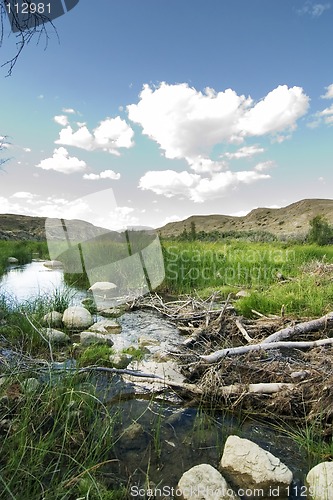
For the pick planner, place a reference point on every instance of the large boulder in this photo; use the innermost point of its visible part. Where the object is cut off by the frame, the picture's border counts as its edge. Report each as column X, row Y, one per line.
column 203, row 482
column 76, row 318
column 319, row 482
column 253, row 469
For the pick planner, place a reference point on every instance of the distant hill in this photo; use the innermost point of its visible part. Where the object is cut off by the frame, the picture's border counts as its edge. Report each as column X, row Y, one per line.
column 291, row 220
column 23, row 227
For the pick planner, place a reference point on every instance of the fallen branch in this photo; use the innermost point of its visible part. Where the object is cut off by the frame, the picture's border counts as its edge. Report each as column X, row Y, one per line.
column 300, row 328
column 217, row 355
column 241, row 328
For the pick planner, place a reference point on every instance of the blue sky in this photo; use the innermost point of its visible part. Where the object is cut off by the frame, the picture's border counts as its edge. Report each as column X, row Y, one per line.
column 180, row 107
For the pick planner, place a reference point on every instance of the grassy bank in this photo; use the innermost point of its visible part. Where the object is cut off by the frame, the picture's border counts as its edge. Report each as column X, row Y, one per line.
column 274, row 274
column 23, row 251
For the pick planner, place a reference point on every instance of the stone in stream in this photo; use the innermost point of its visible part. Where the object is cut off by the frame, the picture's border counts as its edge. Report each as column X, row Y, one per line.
column 53, row 318
column 77, row 317
column 120, row 360
column 53, row 264
column 88, row 338
column 204, row 482
column 319, row 482
column 12, row 260
column 106, row 326
column 56, row 336
column 251, row 468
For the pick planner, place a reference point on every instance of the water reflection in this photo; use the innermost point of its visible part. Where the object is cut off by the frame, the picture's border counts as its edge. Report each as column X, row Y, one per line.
column 31, row 280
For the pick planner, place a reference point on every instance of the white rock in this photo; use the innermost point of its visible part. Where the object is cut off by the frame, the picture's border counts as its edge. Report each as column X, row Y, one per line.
column 242, row 293
column 53, row 318
column 252, row 468
column 121, row 360
column 77, row 317
column 89, row 338
column 106, row 326
column 56, row 336
column 53, row 264
column 203, row 482
column 102, row 286
column 319, row 482
column 12, row 260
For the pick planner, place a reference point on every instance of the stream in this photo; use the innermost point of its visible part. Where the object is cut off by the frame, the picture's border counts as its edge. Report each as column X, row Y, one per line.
column 187, row 435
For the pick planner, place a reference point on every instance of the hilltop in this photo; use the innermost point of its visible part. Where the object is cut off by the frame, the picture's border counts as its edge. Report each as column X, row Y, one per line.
column 292, row 220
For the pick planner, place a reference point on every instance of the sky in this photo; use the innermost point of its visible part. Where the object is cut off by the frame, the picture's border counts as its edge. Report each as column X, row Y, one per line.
column 143, row 112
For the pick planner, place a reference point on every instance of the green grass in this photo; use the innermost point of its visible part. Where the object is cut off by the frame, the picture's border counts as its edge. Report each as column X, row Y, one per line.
column 55, row 441
column 24, row 251
column 205, row 267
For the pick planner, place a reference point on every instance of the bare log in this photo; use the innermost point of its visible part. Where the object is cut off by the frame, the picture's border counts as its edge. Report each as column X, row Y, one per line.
column 301, row 328
column 217, row 355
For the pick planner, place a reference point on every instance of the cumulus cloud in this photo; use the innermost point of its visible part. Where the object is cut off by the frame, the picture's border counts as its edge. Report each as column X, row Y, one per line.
column 111, row 135
column 106, row 174
column 187, row 123
column 62, row 162
column 68, row 110
column 24, row 195
column 193, row 186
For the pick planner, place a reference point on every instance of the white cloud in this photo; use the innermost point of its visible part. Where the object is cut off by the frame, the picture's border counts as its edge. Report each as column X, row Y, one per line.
column 265, row 165
column 193, row 186
column 329, row 92
column 245, row 152
column 106, row 174
column 314, row 9
column 187, row 123
column 62, row 162
column 68, row 110
column 24, row 195
column 111, row 135
column 61, row 120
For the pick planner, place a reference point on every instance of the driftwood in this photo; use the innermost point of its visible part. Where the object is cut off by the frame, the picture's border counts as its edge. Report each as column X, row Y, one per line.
column 301, row 328
column 217, row 355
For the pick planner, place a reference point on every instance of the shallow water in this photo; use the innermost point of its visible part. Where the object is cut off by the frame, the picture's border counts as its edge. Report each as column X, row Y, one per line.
column 174, row 437
column 26, row 282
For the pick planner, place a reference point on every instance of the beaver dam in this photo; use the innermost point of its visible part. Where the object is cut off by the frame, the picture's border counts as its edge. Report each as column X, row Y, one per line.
column 271, row 366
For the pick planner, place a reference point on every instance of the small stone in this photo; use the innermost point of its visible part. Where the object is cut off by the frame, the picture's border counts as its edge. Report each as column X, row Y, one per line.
column 30, row 385
column 204, row 482
column 12, row 260
column 146, row 341
column 120, row 360
column 106, row 326
column 88, row 338
column 111, row 312
column 320, row 482
column 242, row 293
column 53, row 318
column 57, row 336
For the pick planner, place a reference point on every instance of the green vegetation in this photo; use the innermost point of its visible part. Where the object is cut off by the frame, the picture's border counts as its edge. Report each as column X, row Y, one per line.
column 98, row 355
column 274, row 274
column 320, row 231
column 55, row 440
column 23, row 251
